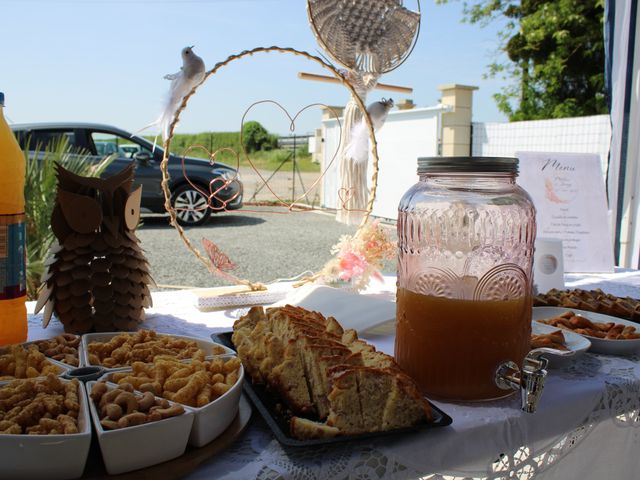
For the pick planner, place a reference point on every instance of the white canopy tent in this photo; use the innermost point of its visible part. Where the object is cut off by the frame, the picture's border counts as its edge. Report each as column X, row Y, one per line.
column 623, row 79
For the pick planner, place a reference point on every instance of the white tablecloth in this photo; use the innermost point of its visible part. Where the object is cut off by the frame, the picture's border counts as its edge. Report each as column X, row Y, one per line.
column 587, row 425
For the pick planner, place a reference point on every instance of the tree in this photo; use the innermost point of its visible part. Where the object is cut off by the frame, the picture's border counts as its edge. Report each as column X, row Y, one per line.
column 255, row 137
column 556, row 53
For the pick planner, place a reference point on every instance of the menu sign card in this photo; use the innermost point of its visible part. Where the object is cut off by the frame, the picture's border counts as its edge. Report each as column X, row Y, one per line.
column 568, row 192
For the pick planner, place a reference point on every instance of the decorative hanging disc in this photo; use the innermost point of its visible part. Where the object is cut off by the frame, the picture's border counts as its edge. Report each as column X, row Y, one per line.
column 364, row 35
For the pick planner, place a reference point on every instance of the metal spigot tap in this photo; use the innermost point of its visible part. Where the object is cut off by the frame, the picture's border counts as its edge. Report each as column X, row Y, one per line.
column 529, row 380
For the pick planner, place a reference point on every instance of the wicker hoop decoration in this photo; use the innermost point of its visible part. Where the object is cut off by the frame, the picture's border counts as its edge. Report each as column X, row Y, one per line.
column 212, row 72
column 364, row 35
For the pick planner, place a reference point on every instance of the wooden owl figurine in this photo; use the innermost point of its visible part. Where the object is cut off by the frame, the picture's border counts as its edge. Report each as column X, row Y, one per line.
column 97, row 277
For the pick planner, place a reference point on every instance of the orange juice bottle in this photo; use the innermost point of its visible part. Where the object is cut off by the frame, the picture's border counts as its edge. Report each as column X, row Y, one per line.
column 13, row 312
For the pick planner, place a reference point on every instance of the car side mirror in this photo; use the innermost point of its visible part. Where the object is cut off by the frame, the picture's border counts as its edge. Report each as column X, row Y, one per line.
column 142, row 157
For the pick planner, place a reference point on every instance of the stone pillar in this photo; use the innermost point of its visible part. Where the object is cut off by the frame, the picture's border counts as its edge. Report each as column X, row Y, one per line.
column 456, row 124
column 405, row 104
column 330, row 112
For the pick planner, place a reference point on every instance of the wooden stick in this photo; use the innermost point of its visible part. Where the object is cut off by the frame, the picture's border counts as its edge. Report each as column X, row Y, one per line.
column 326, row 78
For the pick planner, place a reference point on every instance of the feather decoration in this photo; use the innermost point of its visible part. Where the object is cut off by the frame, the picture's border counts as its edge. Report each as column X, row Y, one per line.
column 190, row 75
column 358, row 146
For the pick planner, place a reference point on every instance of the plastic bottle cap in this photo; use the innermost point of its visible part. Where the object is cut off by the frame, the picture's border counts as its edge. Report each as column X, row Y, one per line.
column 1, row 99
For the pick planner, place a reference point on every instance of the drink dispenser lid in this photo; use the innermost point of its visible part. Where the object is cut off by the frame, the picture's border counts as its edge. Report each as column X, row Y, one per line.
column 467, row 165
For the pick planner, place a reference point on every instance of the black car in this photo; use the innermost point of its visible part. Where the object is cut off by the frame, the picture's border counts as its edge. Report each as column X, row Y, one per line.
column 102, row 140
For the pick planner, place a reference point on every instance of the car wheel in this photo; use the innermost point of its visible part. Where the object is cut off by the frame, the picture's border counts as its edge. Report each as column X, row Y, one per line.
column 191, row 206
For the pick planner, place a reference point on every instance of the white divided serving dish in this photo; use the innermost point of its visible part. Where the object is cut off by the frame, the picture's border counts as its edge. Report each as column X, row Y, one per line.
column 574, row 342
column 598, row 345
column 48, row 456
column 212, row 419
column 204, row 344
column 140, row 446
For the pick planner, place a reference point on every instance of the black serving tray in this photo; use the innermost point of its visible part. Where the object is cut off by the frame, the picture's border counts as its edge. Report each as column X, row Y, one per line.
column 277, row 415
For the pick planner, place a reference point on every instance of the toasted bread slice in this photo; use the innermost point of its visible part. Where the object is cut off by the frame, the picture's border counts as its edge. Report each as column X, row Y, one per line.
column 307, row 429
column 323, row 372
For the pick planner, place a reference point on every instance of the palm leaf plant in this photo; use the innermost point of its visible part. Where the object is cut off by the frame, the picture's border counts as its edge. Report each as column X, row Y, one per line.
column 40, row 190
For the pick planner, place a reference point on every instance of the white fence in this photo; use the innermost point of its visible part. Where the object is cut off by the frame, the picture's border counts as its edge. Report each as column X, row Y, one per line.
column 406, row 135
column 571, row 135
column 566, row 135
column 410, row 134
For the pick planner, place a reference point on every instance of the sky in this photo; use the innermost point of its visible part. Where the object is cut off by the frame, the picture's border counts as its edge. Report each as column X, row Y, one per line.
column 104, row 61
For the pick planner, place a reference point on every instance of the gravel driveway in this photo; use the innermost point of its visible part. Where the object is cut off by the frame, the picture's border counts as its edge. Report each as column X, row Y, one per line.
column 284, row 183
column 265, row 246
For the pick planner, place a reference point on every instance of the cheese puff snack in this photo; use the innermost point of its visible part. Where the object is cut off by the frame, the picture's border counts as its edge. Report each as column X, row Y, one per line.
column 195, row 384
column 63, row 348
column 190, row 391
column 144, row 346
column 119, row 408
column 18, row 361
column 42, row 406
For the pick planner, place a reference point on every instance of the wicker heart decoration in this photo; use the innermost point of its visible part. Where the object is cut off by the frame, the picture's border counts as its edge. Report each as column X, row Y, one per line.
column 218, row 184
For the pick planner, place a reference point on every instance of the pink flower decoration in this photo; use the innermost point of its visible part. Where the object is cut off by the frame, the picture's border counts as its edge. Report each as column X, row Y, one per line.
column 351, row 265
column 360, row 257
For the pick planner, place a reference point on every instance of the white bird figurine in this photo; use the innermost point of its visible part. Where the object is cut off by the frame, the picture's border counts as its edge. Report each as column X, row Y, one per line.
column 190, row 75
column 358, row 146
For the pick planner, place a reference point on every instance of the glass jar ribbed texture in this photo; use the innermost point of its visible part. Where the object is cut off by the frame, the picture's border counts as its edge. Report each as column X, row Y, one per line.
column 465, row 249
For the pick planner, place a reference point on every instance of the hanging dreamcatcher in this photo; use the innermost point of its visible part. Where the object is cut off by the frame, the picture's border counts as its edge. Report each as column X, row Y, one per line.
column 368, row 38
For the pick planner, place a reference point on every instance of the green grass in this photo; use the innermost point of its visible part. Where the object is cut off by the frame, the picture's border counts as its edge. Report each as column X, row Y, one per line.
column 215, row 141
column 272, row 159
